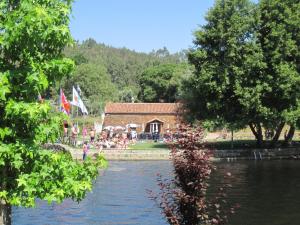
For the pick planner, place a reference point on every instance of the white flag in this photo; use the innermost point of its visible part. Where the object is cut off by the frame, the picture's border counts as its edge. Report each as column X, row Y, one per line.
column 78, row 102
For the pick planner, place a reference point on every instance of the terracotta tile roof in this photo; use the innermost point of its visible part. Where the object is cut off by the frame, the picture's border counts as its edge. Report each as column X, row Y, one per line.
column 151, row 108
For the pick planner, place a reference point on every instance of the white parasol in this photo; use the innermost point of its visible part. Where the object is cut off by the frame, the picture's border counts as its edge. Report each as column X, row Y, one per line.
column 132, row 125
column 108, row 128
column 119, row 128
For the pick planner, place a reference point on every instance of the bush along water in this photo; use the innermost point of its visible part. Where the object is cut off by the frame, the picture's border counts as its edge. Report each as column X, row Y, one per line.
column 184, row 200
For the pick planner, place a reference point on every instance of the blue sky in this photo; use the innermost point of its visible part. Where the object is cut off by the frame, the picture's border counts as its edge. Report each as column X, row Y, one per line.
column 140, row 25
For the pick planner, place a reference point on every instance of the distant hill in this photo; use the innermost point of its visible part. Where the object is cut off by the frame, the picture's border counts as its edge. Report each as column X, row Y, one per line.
column 106, row 73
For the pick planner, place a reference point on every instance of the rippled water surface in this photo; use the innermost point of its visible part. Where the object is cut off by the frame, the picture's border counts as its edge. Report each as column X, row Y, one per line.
column 119, row 197
column 268, row 192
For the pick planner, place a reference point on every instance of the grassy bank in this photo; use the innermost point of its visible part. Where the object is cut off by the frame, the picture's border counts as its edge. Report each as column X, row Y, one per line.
column 244, row 144
column 149, row 145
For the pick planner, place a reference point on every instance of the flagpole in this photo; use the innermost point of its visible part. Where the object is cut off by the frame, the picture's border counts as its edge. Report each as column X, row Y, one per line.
column 59, row 100
column 77, row 117
column 72, row 105
column 77, row 107
column 72, row 111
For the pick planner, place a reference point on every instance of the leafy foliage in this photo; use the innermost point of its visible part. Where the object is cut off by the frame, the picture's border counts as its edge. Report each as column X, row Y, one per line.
column 184, row 200
column 246, row 66
column 280, row 43
column 44, row 175
column 163, row 82
column 33, row 35
column 120, row 68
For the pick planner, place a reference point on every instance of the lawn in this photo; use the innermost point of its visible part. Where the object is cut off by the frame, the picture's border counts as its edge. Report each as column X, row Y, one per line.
column 243, row 139
column 147, row 145
column 243, row 144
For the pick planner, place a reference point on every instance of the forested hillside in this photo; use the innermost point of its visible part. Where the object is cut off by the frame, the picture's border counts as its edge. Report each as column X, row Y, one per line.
column 105, row 73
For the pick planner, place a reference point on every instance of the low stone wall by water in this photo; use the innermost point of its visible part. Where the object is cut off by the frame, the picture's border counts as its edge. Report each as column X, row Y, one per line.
column 164, row 154
column 127, row 154
column 258, row 154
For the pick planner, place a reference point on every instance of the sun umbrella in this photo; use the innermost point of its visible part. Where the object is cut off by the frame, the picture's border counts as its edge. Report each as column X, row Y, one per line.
column 108, row 128
column 132, row 125
column 119, row 128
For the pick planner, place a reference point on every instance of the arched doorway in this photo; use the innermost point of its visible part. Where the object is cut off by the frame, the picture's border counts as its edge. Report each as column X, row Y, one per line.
column 154, row 126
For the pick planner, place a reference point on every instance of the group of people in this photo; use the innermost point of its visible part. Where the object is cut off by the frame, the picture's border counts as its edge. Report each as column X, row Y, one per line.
column 112, row 140
column 71, row 133
column 106, row 139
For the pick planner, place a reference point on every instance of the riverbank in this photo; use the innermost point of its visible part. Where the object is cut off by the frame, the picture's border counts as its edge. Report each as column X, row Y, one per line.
column 258, row 154
column 125, row 155
column 164, row 154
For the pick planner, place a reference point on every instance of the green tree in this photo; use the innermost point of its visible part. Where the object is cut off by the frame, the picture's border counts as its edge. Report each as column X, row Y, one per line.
column 128, row 94
column 279, row 38
column 163, row 82
column 235, row 79
column 32, row 37
column 224, row 50
column 122, row 65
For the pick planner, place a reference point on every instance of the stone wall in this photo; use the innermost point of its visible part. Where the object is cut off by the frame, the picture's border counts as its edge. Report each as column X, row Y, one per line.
column 258, row 154
column 164, row 154
column 159, row 154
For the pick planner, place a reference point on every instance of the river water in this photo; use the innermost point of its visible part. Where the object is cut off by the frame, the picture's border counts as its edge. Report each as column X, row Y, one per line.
column 268, row 192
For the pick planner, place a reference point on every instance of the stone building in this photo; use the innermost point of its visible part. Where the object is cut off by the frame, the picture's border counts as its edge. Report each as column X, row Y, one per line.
column 147, row 117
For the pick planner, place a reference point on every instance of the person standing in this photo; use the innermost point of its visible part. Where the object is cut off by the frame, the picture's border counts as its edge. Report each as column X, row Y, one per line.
column 65, row 135
column 92, row 135
column 74, row 134
column 85, row 150
column 84, row 133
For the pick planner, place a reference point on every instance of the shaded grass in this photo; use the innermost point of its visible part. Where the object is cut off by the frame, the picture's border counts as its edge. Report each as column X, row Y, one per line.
column 226, row 144
column 149, row 145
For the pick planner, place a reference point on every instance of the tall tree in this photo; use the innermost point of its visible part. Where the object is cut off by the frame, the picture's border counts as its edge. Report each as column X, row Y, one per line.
column 279, row 37
column 33, row 34
column 234, row 80
column 225, row 54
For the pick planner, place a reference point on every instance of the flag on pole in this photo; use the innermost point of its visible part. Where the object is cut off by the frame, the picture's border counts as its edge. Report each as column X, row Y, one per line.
column 78, row 102
column 64, row 103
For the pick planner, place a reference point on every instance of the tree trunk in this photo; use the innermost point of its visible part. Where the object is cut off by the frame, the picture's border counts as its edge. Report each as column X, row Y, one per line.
column 251, row 125
column 277, row 134
column 5, row 209
column 289, row 137
column 260, row 135
column 257, row 133
column 5, row 213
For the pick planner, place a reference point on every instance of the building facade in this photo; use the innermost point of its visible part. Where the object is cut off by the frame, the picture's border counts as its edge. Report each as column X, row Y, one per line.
column 146, row 117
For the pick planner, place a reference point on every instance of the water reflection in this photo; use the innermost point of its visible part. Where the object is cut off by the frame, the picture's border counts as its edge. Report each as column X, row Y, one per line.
column 266, row 190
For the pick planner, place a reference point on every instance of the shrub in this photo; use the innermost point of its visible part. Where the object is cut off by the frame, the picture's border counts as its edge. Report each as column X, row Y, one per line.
column 184, row 200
